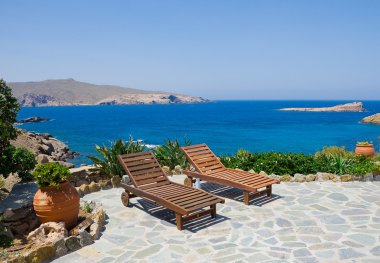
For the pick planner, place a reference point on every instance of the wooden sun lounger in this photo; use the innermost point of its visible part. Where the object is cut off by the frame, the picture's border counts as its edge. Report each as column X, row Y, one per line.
column 209, row 168
column 149, row 181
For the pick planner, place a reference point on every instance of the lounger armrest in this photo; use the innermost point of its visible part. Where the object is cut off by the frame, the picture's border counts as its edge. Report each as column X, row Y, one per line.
column 192, row 174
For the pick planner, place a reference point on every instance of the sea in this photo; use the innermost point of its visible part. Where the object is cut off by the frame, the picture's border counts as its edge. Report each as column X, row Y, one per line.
column 225, row 126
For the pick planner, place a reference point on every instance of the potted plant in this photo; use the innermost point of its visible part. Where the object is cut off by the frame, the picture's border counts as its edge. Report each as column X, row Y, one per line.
column 365, row 148
column 56, row 200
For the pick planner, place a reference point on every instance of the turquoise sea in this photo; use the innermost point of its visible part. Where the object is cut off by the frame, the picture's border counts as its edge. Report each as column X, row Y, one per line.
column 225, row 126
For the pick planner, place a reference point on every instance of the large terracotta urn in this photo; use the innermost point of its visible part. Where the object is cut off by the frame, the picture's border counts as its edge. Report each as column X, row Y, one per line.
column 365, row 149
column 57, row 203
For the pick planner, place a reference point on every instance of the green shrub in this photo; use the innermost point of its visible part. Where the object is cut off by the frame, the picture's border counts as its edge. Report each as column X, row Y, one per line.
column 50, row 174
column 271, row 162
column 108, row 162
column 17, row 160
column 169, row 154
column 334, row 151
column 362, row 165
column 5, row 241
column 24, row 161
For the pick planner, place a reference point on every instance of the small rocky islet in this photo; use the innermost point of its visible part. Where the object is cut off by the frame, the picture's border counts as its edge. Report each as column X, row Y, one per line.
column 372, row 119
column 348, row 107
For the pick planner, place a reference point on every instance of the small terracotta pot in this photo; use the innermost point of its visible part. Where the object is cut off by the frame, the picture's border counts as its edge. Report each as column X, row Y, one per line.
column 366, row 150
column 57, row 203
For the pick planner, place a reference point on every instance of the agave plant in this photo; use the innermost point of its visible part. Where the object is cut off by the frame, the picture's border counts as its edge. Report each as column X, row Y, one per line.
column 169, row 154
column 340, row 165
column 108, row 162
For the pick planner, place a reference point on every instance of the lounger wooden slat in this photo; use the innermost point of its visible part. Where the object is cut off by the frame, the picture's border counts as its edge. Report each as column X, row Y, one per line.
column 209, row 168
column 143, row 172
column 149, row 181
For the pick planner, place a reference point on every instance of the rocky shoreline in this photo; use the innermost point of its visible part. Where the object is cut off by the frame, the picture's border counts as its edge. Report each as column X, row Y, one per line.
column 348, row 107
column 45, row 147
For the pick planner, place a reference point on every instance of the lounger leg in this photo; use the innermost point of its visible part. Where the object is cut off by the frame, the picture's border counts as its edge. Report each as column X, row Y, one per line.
column 188, row 181
column 246, row 197
column 125, row 198
column 213, row 211
column 269, row 191
column 178, row 219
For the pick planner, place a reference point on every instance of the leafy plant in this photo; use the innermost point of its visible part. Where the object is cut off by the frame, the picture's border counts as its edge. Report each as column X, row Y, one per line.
column 334, row 151
column 362, row 165
column 108, row 162
column 8, row 111
column 340, row 165
column 50, row 174
column 363, row 144
column 87, row 207
column 169, row 154
column 17, row 160
column 24, row 161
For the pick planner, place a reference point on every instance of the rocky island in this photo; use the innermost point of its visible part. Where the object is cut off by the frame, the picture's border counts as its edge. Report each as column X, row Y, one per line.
column 373, row 119
column 69, row 92
column 32, row 119
column 348, row 107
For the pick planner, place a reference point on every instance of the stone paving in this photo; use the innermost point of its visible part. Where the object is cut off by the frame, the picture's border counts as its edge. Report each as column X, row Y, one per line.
column 307, row 222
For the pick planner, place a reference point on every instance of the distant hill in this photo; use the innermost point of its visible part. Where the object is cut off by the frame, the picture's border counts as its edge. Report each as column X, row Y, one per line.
column 71, row 92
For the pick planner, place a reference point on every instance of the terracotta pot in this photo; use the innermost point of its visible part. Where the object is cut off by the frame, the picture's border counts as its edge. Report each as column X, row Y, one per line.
column 57, row 203
column 366, row 150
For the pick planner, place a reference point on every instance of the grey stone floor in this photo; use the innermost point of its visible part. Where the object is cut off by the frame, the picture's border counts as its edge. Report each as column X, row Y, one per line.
column 307, row 222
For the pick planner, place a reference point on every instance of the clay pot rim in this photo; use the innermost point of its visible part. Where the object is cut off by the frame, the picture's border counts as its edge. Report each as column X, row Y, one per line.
column 367, row 145
column 53, row 187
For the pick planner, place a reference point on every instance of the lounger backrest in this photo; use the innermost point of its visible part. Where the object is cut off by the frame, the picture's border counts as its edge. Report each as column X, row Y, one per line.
column 143, row 170
column 203, row 159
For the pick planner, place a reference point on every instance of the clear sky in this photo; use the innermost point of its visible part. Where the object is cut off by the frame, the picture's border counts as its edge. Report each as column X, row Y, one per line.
column 321, row 49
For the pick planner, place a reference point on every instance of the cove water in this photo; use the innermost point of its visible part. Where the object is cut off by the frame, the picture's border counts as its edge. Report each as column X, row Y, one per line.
column 225, row 126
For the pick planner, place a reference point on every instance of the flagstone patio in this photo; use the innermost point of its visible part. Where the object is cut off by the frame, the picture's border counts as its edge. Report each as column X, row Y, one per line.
column 307, row 222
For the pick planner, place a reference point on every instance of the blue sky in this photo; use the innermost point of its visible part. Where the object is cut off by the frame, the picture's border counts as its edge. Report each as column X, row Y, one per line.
column 216, row 49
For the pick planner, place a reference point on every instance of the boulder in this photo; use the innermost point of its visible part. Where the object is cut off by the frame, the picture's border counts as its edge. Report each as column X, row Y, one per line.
column 60, row 248
column 12, row 215
column 321, row 177
column 252, row 171
column 310, row 177
column 177, row 169
column 80, row 182
column 105, row 184
column 41, row 254
column 48, row 233
column 68, row 165
column 72, row 243
column 125, row 179
column 263, row 173
column 85, row 189
column 336, row 179
column 116, row 180
column 166, row 170
column 79, row 191
column 94, row 187
column 286, row 178
column 274, row 176
column 42, row 158
column 346, row 178
column 85, row 238
column 299, row 178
